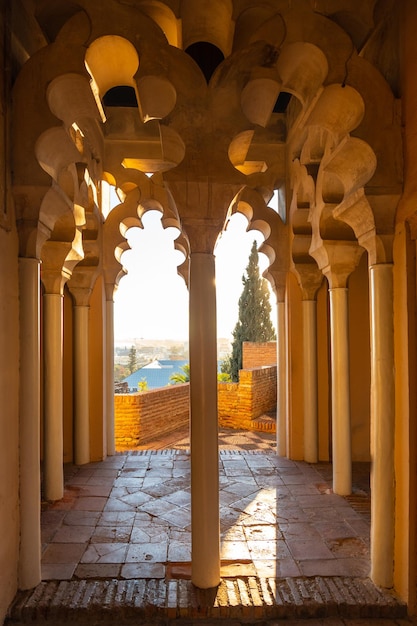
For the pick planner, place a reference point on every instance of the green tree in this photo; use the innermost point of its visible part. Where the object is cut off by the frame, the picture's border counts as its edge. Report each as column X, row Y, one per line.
column 143, row 385
column 254, row 322
column 181, row 378
column 133, row 360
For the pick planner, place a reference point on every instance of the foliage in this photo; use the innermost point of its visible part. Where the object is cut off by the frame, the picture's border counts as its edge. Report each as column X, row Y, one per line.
column 224, row 377
column 143, row 385
column 181, row 378
column 254, row 322
column 133, row 360
column 120, row 372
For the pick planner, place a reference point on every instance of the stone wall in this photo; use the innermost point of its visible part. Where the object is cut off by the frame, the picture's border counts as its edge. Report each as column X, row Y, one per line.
column 140, row 417
column 259, row 354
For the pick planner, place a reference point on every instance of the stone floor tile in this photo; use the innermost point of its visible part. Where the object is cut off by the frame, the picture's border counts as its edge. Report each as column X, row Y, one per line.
column 147, row 552
column 270, row 568
column 306, row 549
column 268, row 549
column 262, row 532
column 73, row 534
column 299, row 529
column 90, row 504
column 118, row 504
column 179, row 551
column 143, row 570
column 156, row 507
column 109, row 534
column 234, row 550
column 178, row 516
column 63, row 553
column 182, row 498
column 105, row 553
column 96, row 490
column 52, row 518
column 58, row 571
column 153, row 533
column 322, row 567
column 111, row 518
column 81, row 518
column 97, row 570
column 334, row 530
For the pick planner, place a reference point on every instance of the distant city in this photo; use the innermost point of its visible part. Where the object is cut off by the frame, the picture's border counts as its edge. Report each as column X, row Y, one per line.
column 148, row 350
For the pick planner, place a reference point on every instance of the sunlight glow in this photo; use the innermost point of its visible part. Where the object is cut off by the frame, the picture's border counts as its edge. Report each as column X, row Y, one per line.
column 152, row 300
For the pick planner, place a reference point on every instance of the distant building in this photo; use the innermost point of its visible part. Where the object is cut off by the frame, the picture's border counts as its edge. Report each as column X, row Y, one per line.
column 156, row 374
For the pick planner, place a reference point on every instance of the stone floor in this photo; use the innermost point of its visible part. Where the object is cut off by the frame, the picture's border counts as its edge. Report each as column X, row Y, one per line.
column 289, row 546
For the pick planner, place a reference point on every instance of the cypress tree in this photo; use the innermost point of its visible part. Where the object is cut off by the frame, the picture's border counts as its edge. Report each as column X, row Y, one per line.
column 254, row 321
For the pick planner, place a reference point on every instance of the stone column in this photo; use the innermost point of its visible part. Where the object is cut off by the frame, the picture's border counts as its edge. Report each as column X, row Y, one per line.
column 205, row 517
column 81, row 386
column 29, row 425
column 282, row 381
column 53, row 413
column 311, row 436
column 341, row 439
column 110, row 377
column 382, row 424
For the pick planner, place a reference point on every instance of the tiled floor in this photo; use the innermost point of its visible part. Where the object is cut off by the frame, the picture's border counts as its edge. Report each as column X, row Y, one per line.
column 129, row 517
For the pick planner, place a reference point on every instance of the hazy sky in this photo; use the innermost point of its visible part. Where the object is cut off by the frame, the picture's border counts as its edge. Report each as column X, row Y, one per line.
column 152, row 300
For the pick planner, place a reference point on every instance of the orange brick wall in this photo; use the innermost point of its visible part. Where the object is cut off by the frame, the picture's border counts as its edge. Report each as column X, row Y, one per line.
column 259, row 354
column 140, row 417
column 254, row 394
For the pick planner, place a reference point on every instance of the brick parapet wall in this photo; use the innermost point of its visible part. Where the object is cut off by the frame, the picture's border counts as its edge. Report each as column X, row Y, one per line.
column 258, row 354
column 140, row 417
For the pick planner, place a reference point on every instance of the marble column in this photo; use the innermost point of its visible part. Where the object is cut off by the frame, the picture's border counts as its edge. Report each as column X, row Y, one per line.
column 29, row 425
column 53, row 474
column 311, row 438
column 341, row 436
column 382, row 424
column 205, row 517
column 110, row 377
column 282, row 381
column 81, row 386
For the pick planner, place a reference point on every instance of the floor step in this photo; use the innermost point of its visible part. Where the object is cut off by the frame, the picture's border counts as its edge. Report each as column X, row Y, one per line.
column 160, row 601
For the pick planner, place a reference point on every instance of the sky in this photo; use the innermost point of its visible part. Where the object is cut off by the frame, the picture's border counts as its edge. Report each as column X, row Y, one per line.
column 151, row 301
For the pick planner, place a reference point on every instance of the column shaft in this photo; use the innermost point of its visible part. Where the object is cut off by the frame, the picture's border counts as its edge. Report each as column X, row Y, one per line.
column 311, row 436
column 282, row 382
column 53, row 412
column 110, row 377
column 81, row 386
column 29, row 425
column 382, row 424
column 205, row 517
column 341, row 437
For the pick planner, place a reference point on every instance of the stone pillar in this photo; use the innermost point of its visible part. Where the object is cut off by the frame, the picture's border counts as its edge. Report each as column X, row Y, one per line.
column 339, row 337
column 110, row 377
column 311, row 435
column 205, row 517
column 282, row 382
column 382, row 424
column 29, row 426
column 81, row 386
column 53, row 428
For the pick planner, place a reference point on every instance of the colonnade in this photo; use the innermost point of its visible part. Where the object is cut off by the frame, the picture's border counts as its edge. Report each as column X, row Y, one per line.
column 203, row 402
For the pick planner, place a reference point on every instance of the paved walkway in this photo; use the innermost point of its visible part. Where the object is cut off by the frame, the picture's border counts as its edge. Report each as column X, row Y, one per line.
column 289, row 546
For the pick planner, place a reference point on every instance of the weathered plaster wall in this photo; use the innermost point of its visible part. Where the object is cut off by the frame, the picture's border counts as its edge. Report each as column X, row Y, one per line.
column 97, row 373
column 359, row 363
column 9, row 418
column 295, row 395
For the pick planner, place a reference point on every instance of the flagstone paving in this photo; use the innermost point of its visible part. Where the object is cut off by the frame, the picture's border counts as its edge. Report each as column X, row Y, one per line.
column 130, row 517
column 117, row 547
